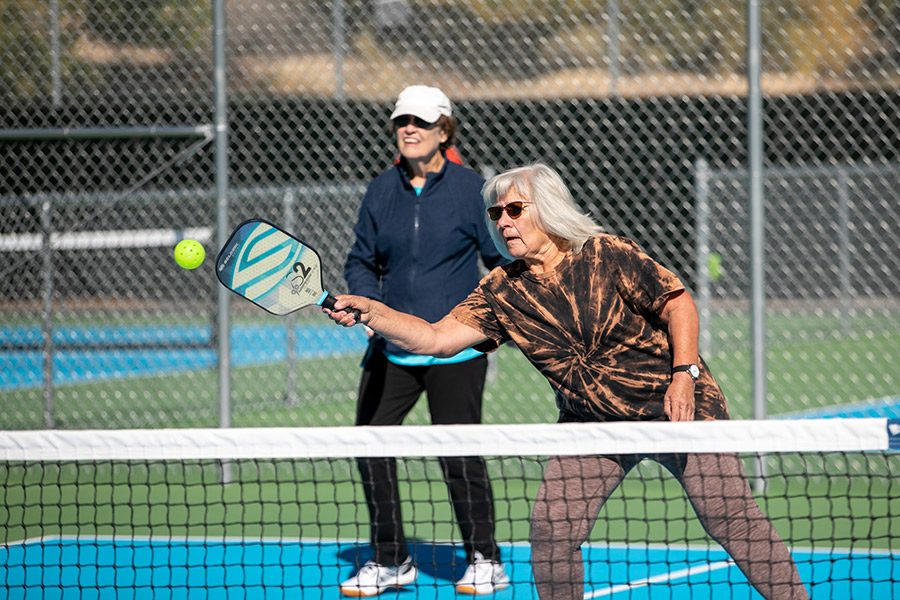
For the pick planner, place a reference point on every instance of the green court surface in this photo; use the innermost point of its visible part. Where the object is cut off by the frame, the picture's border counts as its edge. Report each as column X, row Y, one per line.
column 804, row 373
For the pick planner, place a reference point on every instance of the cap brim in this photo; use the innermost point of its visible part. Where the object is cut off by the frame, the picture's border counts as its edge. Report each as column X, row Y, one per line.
column 428, row 113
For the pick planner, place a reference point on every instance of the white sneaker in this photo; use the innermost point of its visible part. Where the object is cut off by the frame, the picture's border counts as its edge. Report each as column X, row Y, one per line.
column 483, row 577
column 373, row 579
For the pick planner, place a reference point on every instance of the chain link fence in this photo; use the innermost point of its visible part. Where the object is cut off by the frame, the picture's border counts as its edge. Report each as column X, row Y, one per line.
column 107, row 112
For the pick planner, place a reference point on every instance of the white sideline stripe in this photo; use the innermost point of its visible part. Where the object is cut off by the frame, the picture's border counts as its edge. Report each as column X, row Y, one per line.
column 816, row 435
column 91, row 240
column 664, row 577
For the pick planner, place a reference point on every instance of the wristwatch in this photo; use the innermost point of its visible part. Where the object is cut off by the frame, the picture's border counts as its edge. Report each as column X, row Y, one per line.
column 692, row 370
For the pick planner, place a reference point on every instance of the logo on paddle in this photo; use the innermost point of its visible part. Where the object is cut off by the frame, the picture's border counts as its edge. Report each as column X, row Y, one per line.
column 300, row 272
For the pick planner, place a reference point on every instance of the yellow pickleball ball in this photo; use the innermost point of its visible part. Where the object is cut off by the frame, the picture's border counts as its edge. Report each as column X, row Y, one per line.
column 714, row 264
column 189, row 254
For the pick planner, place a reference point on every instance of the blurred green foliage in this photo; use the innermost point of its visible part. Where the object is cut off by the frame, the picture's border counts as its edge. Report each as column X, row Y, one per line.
column 179, row 24
column 35, row 39
column 25, row 48
column 819, row 38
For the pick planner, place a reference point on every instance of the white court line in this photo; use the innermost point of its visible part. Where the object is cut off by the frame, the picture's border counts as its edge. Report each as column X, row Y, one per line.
column 682, row 574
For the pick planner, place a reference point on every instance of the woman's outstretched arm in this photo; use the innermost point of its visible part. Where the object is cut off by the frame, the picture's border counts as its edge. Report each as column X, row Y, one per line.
column 445, row 338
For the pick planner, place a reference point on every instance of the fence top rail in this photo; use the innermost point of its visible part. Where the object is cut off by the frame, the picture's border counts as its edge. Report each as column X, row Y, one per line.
column 299, row 190
column 99, row 133
column 702, row 166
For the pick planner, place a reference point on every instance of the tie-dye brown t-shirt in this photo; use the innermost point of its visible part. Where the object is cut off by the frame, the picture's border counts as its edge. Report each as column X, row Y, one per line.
column 592, row 328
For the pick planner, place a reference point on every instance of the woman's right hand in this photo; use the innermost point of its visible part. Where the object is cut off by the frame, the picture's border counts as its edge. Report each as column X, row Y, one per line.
column 349, row 310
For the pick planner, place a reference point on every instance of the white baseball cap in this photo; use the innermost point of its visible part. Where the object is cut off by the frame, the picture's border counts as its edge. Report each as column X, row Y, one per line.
column 421, row 101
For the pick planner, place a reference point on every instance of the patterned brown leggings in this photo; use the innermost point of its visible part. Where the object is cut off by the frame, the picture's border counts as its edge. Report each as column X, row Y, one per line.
column 574, row 488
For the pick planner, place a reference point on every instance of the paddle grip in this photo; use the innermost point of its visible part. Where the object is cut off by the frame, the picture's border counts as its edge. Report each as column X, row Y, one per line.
column 329, row 301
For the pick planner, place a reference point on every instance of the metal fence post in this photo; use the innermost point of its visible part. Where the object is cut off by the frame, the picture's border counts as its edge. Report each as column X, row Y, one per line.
column 47, row 317
column 614, row 53
column 291, row 392
column 757, row 221
column 845, row 287
column 221, row 179
column 701, row 191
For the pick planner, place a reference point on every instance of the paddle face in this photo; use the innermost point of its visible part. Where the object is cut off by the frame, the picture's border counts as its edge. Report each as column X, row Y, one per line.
column 270, row 268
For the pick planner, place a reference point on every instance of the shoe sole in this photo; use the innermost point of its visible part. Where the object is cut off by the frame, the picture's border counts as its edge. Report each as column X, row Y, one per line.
column 361, row 594
column 357, row 593
column 468, row 589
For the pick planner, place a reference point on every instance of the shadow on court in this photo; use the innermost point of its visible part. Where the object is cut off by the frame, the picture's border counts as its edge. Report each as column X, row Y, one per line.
column 445, row 563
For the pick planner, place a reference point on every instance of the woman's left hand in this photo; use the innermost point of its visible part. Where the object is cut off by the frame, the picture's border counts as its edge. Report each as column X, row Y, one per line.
column 679, row 399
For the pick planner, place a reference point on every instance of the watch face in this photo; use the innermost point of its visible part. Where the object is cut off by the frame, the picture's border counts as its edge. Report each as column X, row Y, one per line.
column 694, row 370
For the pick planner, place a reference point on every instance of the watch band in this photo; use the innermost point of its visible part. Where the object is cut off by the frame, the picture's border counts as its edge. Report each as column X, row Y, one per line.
column 692, row 370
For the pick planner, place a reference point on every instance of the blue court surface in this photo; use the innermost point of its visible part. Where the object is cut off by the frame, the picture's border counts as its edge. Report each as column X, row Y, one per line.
column 888, row 408
column 125, row 568
column 250, row 345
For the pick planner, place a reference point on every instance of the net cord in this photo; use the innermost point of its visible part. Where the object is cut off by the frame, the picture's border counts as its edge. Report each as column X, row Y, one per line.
column 757, row 436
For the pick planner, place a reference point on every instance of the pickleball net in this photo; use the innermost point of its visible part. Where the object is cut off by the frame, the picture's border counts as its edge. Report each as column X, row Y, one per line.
column 197, row 513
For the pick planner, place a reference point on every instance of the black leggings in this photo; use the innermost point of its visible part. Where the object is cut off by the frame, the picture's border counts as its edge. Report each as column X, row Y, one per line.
column 574, row 489
column 454, row 391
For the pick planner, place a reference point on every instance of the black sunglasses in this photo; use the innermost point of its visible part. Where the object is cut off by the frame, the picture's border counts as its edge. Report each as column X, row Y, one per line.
column 513, row 209
column 404, row 120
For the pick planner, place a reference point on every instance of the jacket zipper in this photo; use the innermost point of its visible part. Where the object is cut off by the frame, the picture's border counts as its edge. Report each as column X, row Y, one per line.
column 415, row 245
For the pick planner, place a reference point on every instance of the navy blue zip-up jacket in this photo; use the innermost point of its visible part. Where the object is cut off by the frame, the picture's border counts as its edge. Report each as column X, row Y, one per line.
column 419, row 254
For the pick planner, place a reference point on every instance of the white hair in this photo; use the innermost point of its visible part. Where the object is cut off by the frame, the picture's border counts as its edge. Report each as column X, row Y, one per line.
column 552, row 208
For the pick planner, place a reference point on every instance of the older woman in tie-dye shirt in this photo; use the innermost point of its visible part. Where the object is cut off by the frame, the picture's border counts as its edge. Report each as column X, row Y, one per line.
column 615, row 334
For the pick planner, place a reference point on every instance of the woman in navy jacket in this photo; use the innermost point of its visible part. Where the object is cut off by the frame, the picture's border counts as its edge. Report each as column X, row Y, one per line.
column 420, row 232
